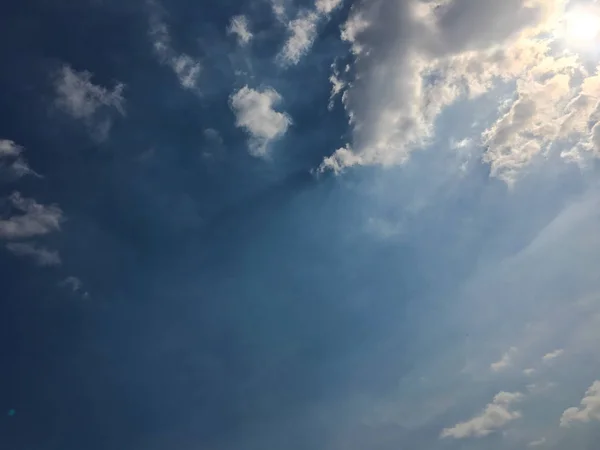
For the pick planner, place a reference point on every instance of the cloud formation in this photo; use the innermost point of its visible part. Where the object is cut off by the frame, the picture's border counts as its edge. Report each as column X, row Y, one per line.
column 80, row 98
column 12, row 163
column 495, row 416
column 35, row 220
column 589, row 409
column 40, row 255
column 302, row 31
column 254, row 112
column 552, row 355
column 413, row 60
column 504, row 362
column 239, row 27
column 186, row 68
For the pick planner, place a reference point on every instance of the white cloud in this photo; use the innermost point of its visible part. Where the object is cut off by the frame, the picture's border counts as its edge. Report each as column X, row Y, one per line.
column 529, row 372
column 36, row 219
column 537, row 443
column 495, row 416
column 589, row 409
column 79, row 97
column 413, row 59
column 40, row 255
column 186, row 68
column 327, row 6
column 552, row 355
column 302, row 31
column 12, row 164
column 254, row 111
column 239, row 27
column 505, row 362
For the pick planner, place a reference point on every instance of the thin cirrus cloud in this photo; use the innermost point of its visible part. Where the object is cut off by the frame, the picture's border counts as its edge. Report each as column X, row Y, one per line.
column 472, row 48
column 186, row 68
column 91, row 103
column 12, row 163
column 40, row 255
column 34, row 219
column 255, row 112
column 494, row 417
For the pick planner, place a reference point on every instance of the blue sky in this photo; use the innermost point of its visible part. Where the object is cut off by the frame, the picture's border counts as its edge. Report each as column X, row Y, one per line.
column 320, row 224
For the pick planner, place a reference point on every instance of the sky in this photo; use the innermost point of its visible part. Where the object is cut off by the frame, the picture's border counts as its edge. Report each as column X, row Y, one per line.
column 299, row 224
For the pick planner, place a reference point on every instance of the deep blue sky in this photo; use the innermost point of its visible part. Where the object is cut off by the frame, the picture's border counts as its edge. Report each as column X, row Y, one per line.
column 193, row 259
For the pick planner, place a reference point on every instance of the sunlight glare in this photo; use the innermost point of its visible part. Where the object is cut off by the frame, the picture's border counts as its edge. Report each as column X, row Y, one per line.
column 582, row 27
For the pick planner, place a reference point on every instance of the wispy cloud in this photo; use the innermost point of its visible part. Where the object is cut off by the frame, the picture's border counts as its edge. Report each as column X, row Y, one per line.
column 254, row 111
column 505, row 362
column 589, row 409
column 35, row 220
column 495, row 416
column 552, row 355
column 80, row 98
column 12, row 163
column 240, row 28
column 302, row 31
column 40, row 255
column 186, row 68
column 537, row 442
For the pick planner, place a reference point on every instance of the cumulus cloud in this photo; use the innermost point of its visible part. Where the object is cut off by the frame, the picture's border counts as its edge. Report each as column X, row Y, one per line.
column 80, row 98
column 414, row 59
column 186, row 68
column 40, row 255
column 589, row 409
column 254, row 112
column 239, row 27
column 552, row 355
column 302, row 31
column 496, row 415
column 12, row 163
column 35, row 220
column 505, row 362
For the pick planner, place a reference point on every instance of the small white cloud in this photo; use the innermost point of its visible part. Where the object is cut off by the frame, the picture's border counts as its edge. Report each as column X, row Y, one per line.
column 40, row 255
column 186, row 68
column 589, row 409
column 239, row 27
column 529, row 372
column 12, row 164
column 537, row 443
column 302, row 33
column 36, row 219
column 80, row 98
column 552, row 355
column 254, row 111
column 505, row 362
column 327, row 6
column 72, row 283
column 495, row 416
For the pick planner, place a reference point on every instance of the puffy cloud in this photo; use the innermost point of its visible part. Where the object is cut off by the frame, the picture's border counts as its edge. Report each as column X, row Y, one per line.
column 36, row 219
column 495, row 416
column 254, row 111
column 413, row 59
column 589, row 409
column 79, row 97
column 73, row 283
column 505, row 362
column 552, row 355
column 40, row 255
column 239, row 27
column 302, row 31
column 12, row 164
column 186, row 68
